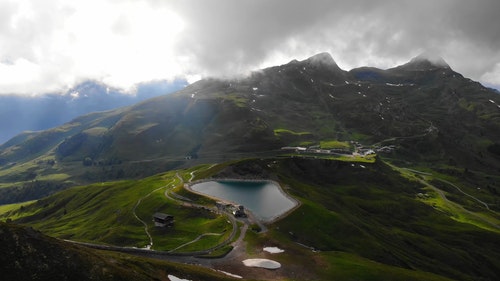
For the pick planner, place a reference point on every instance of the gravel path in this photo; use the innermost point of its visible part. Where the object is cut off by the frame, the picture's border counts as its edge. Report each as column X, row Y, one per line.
column 143, row 222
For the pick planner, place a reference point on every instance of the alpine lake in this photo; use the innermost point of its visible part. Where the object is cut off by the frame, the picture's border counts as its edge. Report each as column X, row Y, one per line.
column 264, row 199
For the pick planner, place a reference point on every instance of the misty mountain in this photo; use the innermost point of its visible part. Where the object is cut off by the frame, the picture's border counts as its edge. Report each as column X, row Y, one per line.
column 422, row 112
column 21, row 113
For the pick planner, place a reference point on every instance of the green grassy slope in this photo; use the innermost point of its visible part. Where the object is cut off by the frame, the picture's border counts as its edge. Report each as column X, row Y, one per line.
column 29, row 255
column 104, row 213
column 366, row 220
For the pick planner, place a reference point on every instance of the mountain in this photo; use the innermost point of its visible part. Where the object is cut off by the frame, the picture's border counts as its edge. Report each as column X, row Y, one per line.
column 396, row 172
column 51, row 110
column 419, row 114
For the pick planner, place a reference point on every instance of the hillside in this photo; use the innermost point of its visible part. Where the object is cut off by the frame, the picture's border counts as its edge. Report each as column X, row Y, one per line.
column 420, row 113
column 19, row 113
column 356, row 221
column 28, row 254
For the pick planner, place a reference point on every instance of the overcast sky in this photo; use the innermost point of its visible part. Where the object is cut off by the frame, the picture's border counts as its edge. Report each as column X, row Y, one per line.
column 51, row 45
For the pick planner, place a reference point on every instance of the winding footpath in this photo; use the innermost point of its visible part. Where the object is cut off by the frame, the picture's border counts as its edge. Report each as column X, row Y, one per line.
column 449, row 183
column 143, row 222
column 442, row 194
column 231, row 259
column 187, row 203
column 466, row 194
column 172, row 255
column 196, row 240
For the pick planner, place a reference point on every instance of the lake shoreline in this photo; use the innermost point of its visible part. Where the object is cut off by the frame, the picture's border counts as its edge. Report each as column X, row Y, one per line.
column 296, row 203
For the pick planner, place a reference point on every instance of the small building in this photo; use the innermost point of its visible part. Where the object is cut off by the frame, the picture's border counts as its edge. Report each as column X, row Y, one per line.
column 163, row 220
column 223, row 206
column 239, row 212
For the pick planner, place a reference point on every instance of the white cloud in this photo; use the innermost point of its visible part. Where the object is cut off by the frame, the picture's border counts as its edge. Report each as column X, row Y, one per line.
column 119, row 43
column 492, row 77
column 14, row 75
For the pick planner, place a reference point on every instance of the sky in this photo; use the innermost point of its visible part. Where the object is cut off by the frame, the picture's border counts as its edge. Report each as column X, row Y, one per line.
column 52, row 45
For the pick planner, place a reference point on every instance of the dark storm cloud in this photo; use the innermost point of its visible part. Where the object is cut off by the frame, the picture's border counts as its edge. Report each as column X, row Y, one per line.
column 226, row 36
column 51, row 45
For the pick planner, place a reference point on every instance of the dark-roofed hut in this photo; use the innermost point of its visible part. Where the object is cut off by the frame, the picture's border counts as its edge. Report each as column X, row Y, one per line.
column 163, row 220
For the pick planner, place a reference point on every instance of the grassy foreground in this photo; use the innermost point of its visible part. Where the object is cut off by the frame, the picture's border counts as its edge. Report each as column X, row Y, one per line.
column 104, row 213
column 357, row 221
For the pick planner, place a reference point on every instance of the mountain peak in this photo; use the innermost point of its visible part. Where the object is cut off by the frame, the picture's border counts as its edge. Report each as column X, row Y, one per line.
column 322, row 59
column 426, row 61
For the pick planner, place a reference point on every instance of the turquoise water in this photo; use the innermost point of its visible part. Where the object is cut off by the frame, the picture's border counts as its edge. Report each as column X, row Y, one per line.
column 264, row 199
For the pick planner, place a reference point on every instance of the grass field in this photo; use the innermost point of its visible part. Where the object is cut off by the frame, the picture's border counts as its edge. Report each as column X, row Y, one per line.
column 332, row 144
column 281, row 131
column 357, row 221
column 103, row 213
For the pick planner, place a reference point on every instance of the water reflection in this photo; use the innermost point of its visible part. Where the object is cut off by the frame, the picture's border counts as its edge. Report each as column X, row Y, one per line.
column 264, row 198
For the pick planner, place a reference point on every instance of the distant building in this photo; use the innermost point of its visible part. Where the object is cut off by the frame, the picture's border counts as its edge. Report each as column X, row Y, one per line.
column 239, row 212
column 297, row 149
column 163, row 220
column 369, row 152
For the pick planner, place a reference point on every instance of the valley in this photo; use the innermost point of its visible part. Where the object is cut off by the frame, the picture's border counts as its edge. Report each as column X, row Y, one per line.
column 394, row 174
column 199, row 231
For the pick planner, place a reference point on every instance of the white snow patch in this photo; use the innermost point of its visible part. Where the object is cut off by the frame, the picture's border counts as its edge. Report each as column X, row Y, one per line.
column 255, row 88
column 262, row 263
column 362, row 166
column 273, row 250
column 192, row 96
column 312, row 81
column 331, row 96
column 230, row 274
column 174, row 278
column 394, row 85
column 492, row 101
